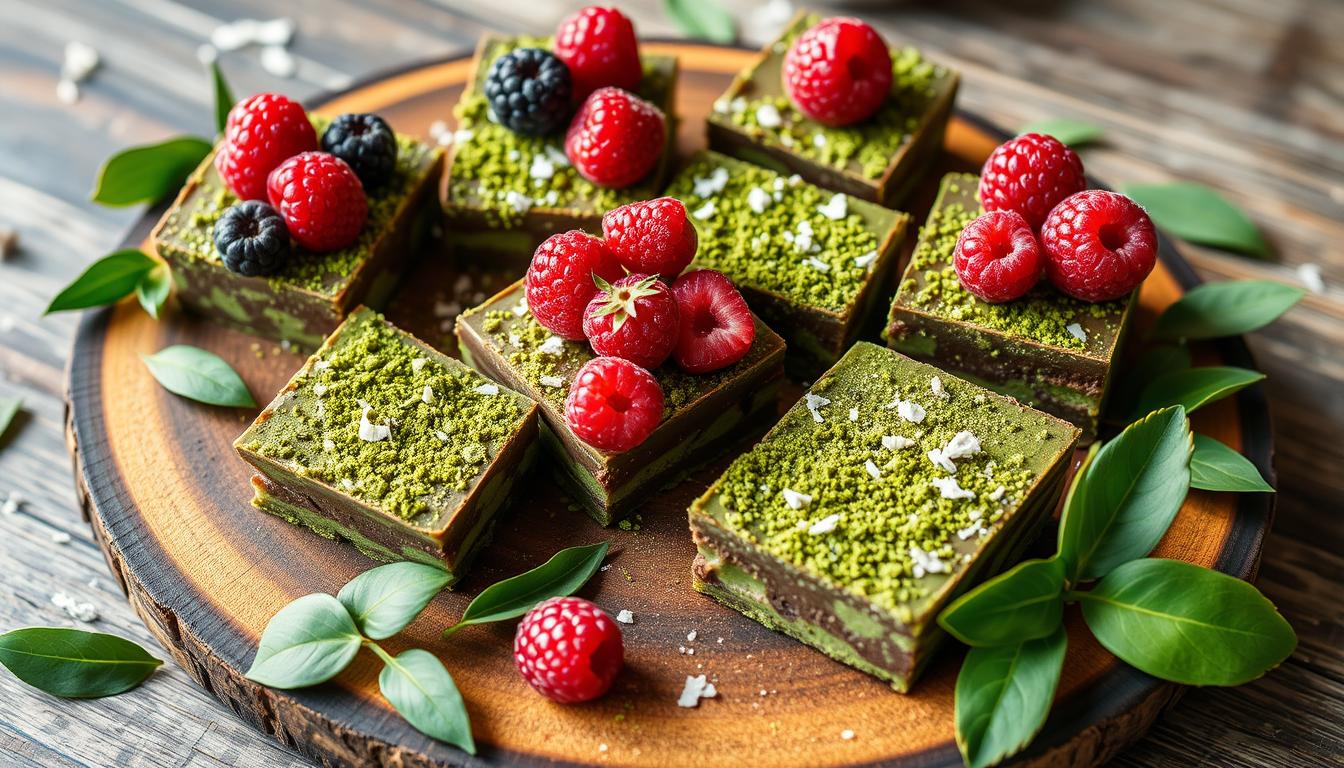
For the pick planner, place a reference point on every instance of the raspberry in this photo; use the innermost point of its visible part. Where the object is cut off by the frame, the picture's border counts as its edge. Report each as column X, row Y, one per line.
column 321, row 199
column 261, row 133
column 717, row 328
column 613, row 404
column 599, row 46
column 251, row 239
column 838, row 72
column 568, row 649
column 366, row 143
column 529, row 91
column 634, row 318
column 997, row 257
column 1098, row 245
column 653, row 236
column 1030, row 174
column 615, row 138
column 559, row 280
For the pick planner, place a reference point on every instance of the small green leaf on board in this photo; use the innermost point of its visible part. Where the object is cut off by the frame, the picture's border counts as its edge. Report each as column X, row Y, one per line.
column 9, row 409
column 1215, row 467
column 75, row 664
column 1074, row 133
column 153, row 289
column 1194, row 388
column 1199, row 214
column 702, row 20
column 107, row 280
column 224, row 99
column 148, row 174
column 199, row 375
column 1023, row 603
column 385, row 599
column 1214, row 310
column 418, row 685
column 1003, row 695
column 562, row 575
column 307, row 642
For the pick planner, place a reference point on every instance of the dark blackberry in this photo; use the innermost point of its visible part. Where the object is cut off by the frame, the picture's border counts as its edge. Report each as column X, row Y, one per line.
column 252, row 239
column 529, row 91
column 366, row 144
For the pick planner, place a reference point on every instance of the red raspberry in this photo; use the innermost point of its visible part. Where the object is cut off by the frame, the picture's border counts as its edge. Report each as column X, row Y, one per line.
column 261, row 133
column 653, row 236
column 568, row 649
column 717, row 328
column 634, row 318
column 615, row 138
column 321, row 199
column 559, row 280
column 838, row 72
column 599, row 46
column 1030, row 174
column 613, row 404
column 1098, row 245
column 997, row 257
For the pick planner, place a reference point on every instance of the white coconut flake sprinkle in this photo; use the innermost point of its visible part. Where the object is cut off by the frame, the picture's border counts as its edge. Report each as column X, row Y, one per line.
column 910, row 411
column 553, row 346
column 824, row 525
column 370, row 432
column 542, row 168
column 758, row 200
column 552, row 381
column 836, row 209
column 767, row 115
column 625, row 616
column 997, row 493
column 1076, row 331
column 704, row 211
column 940, row 460
column 814, row 404
column 517, row 201
column 896, row 442
column 864, row 260
column 949, row 489
column 419, row 363
column 487, row 389
column 796, row 500
column 936, row 385
column 962, row 445
column 713, row 184
column 427, row 395
column 85, row 612
column 872, row 469
column 817, row 264
column 696, row 688
column 853, row 414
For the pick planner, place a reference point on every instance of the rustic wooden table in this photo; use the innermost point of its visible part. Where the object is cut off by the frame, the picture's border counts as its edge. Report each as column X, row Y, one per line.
column 1242, row 95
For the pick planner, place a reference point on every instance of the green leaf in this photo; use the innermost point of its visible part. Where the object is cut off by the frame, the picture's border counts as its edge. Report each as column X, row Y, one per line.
column 149, row 173
column 385, row 599
column 1072, row 132
column 198, row 375
column 75, row 664
column 1200, row 215
column 1126, row 498
column 420, row 688
column 1194, row 387
column 1213, row 310
column 563, row 574
column 9, row 408
column 308, row 642
column 1003, row 696
column 153, row 288
column 702, row 20
column 1215, row 467
column 109, row 279
column 1155, row 361
column 1025, row 603
column 1187, row 624
column 224, row 99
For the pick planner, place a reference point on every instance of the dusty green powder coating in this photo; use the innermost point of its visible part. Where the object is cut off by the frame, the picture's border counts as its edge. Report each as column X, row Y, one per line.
column 323, row 273
column 869, row 551
column 436, row 450
column 1043, row 315
column 866, row 147
column 773, row 250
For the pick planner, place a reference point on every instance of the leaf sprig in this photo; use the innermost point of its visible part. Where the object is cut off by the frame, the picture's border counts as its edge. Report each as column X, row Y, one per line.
column 73, row 663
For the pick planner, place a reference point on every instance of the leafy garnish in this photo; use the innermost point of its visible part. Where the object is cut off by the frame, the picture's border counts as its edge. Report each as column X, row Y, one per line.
column 385, row 599
column 417, row 684
column 149, row 173
column 224, row 99
column 110, row 279
column 199, row 375
column 1025, row 603
column 153, row 288
column 1195, row 387
column 1200, row 215
column 562, row 575
column 702, row 20
column 1071, row 132
column 1003, row 696
column 308, row 642
column 1215, row 467
column 73, row 663
column 1158, row 359
column 9, row 408
column 1232, row 308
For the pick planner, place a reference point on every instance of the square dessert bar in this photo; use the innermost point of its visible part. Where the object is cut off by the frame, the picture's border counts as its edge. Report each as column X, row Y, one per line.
column 314, row 291
column 384, row 442
column 1046, row 349
column 506, row 192
column 810, row 262
column 702, row 415
column 888, row 490
column 879, row 159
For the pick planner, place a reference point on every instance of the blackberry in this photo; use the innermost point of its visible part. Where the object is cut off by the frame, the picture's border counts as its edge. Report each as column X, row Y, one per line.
column 529, row 91
column 252, row 239
column 366, row 144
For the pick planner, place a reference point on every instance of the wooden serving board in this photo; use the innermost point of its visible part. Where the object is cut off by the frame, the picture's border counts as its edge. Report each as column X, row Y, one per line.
column 168, row 502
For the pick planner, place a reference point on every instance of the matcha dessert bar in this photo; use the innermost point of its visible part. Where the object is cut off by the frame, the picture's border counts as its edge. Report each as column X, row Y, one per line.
column 312, row 293
column 1046, row 349
column 507, row 192
column 703, row 414
column 810, row 262
column 889, row 489
column 878, row 159
column 384, row 442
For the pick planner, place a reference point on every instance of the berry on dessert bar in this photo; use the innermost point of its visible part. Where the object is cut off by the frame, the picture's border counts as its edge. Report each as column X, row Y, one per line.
column 838, row 72
column 560, row 280
column 260, row 134
column 1030, row 174
column 252, row 239
column 613, row 404
column 568, row 650
column 615, row 138
column 366, row 143
column 634, row 318
column 716, row 327
column 997, row 257
column 529, row 90
column 321, row 200
column 653, row 236
column 1099, row 245
column 599, row 46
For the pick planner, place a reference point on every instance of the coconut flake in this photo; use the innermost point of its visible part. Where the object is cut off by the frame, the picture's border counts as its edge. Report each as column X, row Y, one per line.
column 819, row 140
column 796, row 500
column 625, row 616
column 704, row 211
column 758, row 200
column 836, row 209
column 814, row 404
column 864, row 260
column 517, row 201
column 427, row 395
column 85, row 612
column 419, row 363
column 1310, row 275
column 928, row 562
column 553, row 346
column 319, row 389
column 936, row 385
column 328, row 444
column 940, row 460
column 542, row 168
column 370, row 432
column 996, row 494
column 896, row 442
column 552, row 381
column 824, row 525
column 949, row 489
column 961, row 445
column 696, row 688
column 817, row 264
column 872, row 469
column 767, row 115
column 1076, row 331
column 713, row 184
column 909, row 411
column 853, row 414
column 487, row 389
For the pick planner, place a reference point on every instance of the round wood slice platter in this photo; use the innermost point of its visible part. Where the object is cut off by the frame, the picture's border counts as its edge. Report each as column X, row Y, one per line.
column 169, row 502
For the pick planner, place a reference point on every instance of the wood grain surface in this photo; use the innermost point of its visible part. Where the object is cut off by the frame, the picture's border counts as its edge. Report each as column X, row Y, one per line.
column 1245, row 96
